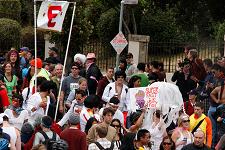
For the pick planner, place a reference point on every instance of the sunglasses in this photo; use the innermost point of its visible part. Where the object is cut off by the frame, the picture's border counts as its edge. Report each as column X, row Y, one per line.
column 165, row 143
column 118, row 126
column 186, row 121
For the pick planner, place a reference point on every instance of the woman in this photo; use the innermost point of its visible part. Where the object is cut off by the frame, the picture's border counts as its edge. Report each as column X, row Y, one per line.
column 91, row 121
column 157, row 130
column 136, row 119
column 167, row 144
column 181, row 135
column 10, row 80
column 119, row 136
column 82, row 86
column 117, row 89
column 134, row 82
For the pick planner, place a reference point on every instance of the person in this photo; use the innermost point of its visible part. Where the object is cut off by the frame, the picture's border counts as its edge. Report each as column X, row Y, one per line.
column 93, row 73
column 119, row 136
column 102, row 142
column 17, row 115
column 114, row 104
column 196, row 66
column 142, row 140
column 221, row 143
column 91, row 121
column 75, row 138
column 81, row 59
column 181, row 135
column 136, row 120
column 53, row 55
column 107, row 119
column 45, row 134
column 70, row 83
column 155, row 75
column 11, row 131
column 199, row 138
column 118, row 89
column 167, row 144
column 189, row 105
column 220, row 118
column 76, row 106
column 4, row 103
column 10, row 80
column 103, row 82
column 200, row 120
column 131, row 67
column 38, row 103
column 58, row 75
column 128, row 141
column 82, row 86
column 122, row 65
column 183, row 79
column 142, row 75
column 157, row 130
column 134, row 82
column 90, row 109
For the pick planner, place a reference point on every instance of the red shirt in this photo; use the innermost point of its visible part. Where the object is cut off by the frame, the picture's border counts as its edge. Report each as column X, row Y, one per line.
column 4, row 99
column 189, row 109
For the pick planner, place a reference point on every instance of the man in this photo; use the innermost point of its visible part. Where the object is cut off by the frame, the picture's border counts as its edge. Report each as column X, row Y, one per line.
column 114, row 104
column 200, row 120
column 108, row 78
column 75, row 138
column 199, row 138
column 142, row 140
column 70, row 83
column 111, row 132
column 58, row 74
column 142, row 75
column 53, row 56
column 131, row 67
column 189, row 105
column 102, row 142
column 93, row 73
column 46, row 133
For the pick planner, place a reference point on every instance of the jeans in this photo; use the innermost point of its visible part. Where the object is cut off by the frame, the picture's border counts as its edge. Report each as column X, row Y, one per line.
column 211, row 111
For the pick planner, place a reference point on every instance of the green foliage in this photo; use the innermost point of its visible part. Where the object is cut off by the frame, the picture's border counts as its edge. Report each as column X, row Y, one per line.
column 107, row 27
column 27, row 12
column 220, row 31
column 10, row 9
column 10, row 33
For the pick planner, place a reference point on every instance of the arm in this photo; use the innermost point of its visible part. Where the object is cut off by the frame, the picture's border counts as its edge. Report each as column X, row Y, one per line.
column 175, row 136
column 214, row 95
column 12, row 145
column 18, row 140
column 208, row 132
column 174, row 77
column 138, row 124
column 106, row 94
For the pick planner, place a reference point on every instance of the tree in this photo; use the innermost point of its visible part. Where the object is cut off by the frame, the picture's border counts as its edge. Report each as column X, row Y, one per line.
column 10, row 9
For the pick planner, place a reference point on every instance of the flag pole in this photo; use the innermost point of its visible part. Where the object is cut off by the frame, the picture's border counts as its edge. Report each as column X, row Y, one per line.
column 35, row 45
column 67, row 48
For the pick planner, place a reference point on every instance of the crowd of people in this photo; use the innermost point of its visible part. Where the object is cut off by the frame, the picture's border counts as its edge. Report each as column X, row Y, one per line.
column 94, row 111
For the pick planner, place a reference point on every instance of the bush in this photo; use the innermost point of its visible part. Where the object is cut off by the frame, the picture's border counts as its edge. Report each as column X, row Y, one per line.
column 10, row 33
column 10, row 9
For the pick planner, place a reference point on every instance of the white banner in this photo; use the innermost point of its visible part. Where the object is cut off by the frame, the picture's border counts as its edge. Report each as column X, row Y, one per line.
column 51, row 15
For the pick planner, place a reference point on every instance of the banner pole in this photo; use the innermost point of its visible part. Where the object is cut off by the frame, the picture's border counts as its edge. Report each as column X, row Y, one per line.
column 35, row 45
column 64, row 65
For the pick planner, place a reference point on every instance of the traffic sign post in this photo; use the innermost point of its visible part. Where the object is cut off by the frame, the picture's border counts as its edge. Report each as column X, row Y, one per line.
column 119, row 42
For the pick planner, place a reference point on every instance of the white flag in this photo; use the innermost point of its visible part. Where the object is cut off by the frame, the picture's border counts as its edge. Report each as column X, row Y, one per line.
column 51, row 15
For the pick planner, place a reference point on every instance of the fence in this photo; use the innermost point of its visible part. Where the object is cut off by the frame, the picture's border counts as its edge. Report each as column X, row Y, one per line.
column 166, row 52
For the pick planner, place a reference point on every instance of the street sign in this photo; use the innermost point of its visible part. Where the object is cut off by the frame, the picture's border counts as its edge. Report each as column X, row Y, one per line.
column 119, row 42
column 129, row 2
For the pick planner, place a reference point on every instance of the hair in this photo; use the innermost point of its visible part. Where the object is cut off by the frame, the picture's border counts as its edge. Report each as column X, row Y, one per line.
column 194, row 53
column 134, row 117
column 108, row 110
column 161, row 66
column 219, row 68
column 189, row 47
column 157, row 113
column 110, row 68
column 47, row 86
column 82, row 80
column 40, row 80
column 92, row 101
column 82, row 92
column 141, row 66
column 181, row 118
column 114, row 100
column 6, row 63
column 155, row 64
column 17, row 54
column 173, row 147
column 101, row 131
column 208, row 62
column 132, row 80
column 76, row 64
column 199, row 104
column 89, row 124
column 141, row 133
column 5, row 118
column 120, row 131
column 120, row 73
column 19, row 97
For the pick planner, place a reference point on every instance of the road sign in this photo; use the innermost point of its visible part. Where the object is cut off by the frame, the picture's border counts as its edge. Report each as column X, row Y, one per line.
column 119, row 42
column 130, row 2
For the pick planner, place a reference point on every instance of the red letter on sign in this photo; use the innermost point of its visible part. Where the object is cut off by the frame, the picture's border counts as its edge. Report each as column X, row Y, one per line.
column 51, row 15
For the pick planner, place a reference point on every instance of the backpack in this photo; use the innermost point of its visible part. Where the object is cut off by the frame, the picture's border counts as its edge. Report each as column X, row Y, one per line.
column 102, row 148
column 4, row 143
column 48, row 142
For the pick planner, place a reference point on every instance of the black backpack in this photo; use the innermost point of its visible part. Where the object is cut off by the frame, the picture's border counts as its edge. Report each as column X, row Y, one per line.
column 48, row 142
column 102, row 148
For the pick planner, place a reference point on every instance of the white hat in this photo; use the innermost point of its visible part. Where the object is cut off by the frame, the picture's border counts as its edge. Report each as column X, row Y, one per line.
column 80, row 57
column 90, row 55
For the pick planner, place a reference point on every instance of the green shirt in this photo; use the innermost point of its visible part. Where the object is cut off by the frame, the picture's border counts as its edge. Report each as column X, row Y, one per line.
column 144, row 79
column 10, row 85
